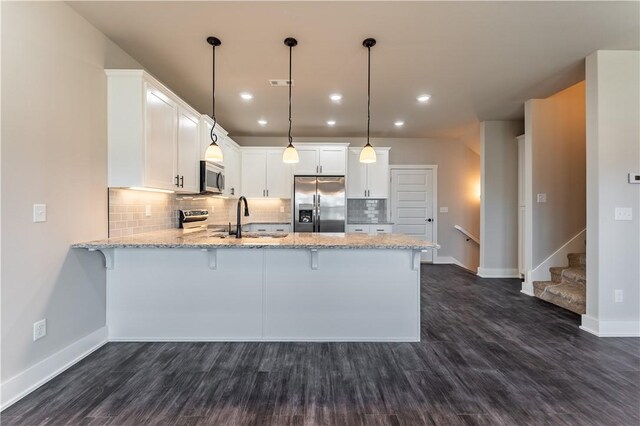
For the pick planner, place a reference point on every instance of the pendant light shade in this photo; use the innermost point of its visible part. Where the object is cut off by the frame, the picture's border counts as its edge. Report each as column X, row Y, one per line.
column 290, row 154
column 368, row 154
column 213, row 152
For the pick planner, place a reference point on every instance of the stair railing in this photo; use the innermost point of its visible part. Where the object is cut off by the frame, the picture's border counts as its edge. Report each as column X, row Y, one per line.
column 468, row 234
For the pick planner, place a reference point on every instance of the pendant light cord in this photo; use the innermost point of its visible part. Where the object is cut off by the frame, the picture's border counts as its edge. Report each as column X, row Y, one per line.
column 214, row 137
column 368, row 92
column 290, row 84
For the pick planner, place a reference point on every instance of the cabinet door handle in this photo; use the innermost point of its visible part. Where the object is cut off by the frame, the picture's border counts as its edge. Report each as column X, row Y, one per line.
column 320, row 169
column 178, row 181
column 264, row 192
column 181, row 181
column 365, row 192
column 267, row 192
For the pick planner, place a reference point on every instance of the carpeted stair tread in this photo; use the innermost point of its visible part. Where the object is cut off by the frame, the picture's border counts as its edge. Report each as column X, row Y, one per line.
column 570, row 296
column 556, row 273
column 540, row 286
column 577, row 259
column 575, row 276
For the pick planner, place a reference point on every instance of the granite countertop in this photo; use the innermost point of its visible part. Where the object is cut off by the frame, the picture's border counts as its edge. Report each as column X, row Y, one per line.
column 176, row 238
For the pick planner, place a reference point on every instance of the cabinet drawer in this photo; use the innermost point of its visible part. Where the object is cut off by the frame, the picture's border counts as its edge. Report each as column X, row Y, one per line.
column 358, row 229
column 381, row 229
column 281, row 228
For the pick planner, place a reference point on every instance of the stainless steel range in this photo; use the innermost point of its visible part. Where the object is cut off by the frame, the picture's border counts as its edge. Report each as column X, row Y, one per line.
column 319, row 204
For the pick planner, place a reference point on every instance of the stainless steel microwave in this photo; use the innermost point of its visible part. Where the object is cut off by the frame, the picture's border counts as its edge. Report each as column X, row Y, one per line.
column 211, row 177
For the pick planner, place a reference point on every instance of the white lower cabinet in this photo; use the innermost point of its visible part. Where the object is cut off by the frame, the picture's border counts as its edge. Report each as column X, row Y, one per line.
column 266, row 228
column 371, row 229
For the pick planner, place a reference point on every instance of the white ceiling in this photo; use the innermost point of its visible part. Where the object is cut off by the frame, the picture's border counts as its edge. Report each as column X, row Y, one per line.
column 478, row 60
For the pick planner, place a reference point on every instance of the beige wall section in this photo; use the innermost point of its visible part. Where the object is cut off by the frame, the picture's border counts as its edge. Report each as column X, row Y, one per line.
column 458, row 183
column 54, row 151
column 557, row 135
column 613, row 150
column 499, row 208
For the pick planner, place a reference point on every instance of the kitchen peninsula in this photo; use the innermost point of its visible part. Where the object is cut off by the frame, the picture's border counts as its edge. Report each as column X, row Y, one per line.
column 170, row 286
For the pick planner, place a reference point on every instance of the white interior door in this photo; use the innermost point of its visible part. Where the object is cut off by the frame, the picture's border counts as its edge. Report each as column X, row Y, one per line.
column 412, row 193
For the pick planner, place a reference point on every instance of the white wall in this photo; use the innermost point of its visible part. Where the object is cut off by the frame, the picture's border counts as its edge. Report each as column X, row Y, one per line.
column 556, row 131
column 54, row 151
column 499, row 192
column 613, row 150
column 458, row 183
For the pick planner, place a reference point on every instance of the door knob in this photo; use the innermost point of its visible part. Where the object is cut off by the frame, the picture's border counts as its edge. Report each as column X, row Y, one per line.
column 429, row 220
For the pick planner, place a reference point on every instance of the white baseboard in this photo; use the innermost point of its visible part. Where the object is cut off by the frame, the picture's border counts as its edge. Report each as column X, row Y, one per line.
column 527, row 288
column 559, row 257
column 498, row 273
column 610, row 328
column 35, row 376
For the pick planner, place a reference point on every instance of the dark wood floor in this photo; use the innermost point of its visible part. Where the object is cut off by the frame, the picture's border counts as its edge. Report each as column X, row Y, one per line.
column 489, row 355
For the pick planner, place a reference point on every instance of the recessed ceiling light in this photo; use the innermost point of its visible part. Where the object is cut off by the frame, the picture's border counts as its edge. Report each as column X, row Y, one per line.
column 331, row 122
column 398, row 123
column 246, row 96
column 423, row 98
column 335, row 97
column 262, row 122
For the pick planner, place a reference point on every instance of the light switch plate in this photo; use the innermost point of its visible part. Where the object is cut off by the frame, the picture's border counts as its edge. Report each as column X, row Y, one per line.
column 147, row 210
column 541, row 198
column 39, row 329
column 444, row 209
column 624, row 213
column 39, row 212
column 281, row 209
column 634, row 177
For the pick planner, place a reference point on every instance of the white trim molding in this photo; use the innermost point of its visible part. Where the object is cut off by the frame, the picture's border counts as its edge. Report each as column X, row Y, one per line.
column 498, row 272
column 610, row 328
column 576, row 244
column 35, row 376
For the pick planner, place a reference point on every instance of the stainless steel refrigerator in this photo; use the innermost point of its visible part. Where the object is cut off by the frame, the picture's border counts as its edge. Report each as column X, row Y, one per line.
column 319, row 204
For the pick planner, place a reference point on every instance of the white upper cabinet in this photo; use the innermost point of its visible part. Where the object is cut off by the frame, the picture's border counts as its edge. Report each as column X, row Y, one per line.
column 315, row 159
column 357, row 177
column 188, row 151
column 332, row 160
column 368, row 180
column 264, row 175
column 378, row 175
column 254, row 173
column 160, row 143
column 278, row 175
column 308, row 164
column 153, row 136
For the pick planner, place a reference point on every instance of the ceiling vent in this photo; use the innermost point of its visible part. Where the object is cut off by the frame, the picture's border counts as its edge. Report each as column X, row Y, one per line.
column 281, row 83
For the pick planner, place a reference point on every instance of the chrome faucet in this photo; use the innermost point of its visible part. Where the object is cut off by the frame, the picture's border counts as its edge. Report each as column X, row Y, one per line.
column 238, row 217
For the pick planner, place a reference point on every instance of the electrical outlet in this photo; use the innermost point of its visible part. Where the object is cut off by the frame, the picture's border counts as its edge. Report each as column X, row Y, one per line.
column 619, row 296
column 147, row 210
column 39, row 212
column 39, row 329
column 444, row 209
column 541, row 198
column 623, row 213
column 281, row 209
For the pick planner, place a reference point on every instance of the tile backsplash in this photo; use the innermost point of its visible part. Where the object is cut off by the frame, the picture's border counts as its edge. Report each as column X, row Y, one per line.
column 128, row 210
column 366, row 211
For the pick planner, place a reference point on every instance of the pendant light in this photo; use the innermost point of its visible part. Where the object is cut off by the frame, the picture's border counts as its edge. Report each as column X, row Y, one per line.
column 368, row 154
column 290, row 154
column 214, row 153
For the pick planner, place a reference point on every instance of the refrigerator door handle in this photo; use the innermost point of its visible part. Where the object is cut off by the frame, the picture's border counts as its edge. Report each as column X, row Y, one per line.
column 318, row 212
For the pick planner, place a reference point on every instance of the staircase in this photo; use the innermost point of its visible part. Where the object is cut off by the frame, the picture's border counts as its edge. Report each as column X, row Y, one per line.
column 568, row 285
